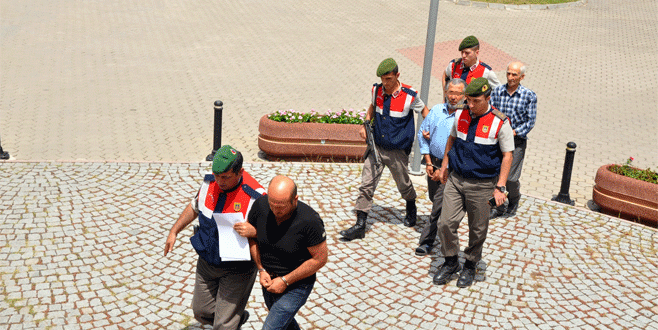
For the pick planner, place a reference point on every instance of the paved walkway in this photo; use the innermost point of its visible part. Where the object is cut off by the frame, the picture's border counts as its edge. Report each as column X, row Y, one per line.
column 86, row 84
column 136, row 80
column 81, row 248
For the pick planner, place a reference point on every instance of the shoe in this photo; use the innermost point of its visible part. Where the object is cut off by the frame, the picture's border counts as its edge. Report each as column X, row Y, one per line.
column 423, row 249
column 358, row 230
column 243, row 319
column 410, row 217
column 446, row 271
column 495, row 213
column 4, row 155
column 466, row 277
column 511, row 210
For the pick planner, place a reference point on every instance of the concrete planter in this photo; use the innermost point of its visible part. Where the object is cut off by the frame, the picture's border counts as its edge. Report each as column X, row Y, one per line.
column 629, row 198
column 310, row 141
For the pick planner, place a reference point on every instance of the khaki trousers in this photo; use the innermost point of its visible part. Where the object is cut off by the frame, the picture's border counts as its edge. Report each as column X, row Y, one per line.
column 221, row 293
column 470, row 196
column 397, row 162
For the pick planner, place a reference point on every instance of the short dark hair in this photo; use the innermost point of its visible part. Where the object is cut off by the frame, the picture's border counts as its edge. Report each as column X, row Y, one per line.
column 237, row 163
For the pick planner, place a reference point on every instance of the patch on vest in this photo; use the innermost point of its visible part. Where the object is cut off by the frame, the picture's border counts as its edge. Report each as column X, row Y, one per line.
column 237, row 207
column 485, row 129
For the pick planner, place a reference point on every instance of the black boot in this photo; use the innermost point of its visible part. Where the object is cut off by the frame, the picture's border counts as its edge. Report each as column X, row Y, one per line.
column 410, row 218
column 3, row 154
column 358, row 230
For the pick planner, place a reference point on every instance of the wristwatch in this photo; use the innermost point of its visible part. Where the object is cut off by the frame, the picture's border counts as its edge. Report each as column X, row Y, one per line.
column 502, row 189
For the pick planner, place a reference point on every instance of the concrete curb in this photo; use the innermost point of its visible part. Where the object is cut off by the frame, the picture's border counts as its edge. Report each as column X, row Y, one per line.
column 479, row 4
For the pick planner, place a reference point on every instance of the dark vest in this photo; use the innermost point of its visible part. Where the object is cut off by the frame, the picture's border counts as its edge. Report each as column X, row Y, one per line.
column 213, row 200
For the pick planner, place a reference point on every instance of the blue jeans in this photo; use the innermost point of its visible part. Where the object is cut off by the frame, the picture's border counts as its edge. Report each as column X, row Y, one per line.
column 284, row 306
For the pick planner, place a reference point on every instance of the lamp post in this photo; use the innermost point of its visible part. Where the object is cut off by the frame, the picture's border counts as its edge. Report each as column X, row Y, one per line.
column 425, row 86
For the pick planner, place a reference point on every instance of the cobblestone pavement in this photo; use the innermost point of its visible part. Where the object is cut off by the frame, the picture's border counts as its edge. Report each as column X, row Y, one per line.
column 136, row 80
column 81, row 247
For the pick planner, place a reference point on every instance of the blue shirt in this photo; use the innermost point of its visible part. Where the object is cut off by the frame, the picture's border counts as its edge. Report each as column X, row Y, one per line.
column 520, row 107
column 438, row 122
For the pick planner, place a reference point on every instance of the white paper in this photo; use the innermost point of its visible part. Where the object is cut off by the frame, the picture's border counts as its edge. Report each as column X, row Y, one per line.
column 232, row 246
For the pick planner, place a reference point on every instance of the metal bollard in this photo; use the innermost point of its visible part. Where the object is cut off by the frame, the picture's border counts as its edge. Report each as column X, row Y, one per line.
column 217, row 133
column 563, row 196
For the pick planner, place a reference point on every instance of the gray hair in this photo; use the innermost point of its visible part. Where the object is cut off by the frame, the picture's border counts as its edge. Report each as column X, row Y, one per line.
column 455, row 82
column 521, row 70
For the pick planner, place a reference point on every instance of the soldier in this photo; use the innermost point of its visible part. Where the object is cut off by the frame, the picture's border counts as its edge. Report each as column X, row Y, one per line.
column 479, row 151
column 469, row 67
column 221, row 288
column 392, row 109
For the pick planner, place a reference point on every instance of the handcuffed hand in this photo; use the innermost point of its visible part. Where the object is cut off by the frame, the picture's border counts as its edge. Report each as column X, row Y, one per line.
column 277, row 286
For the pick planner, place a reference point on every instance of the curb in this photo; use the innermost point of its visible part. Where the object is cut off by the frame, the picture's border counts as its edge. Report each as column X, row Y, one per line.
column 479, row 4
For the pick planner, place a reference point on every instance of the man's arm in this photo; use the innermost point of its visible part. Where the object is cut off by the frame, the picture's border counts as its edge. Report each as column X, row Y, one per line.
column 493, row 79
column 423, row 135
column 531, row 116
column 369, row 115
column 319, row 254
column 506, row 143
column 185, row 219
column 265, row 280
column 443, row 171
column 502, row 178
column 425, row 112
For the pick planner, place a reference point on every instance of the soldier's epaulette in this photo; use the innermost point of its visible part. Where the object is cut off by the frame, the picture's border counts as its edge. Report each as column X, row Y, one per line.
column 499, row 114
column 457, row 60
column 251, row 191
column 209, row 178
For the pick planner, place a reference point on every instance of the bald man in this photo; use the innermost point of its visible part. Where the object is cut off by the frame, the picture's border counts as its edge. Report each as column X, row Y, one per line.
column 520, row 106
column 289, row 248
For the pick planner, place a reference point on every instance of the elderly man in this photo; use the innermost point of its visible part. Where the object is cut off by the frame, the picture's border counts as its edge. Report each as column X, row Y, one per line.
column 469, row 67
column 432, row 137
column 479, row 151
column 221, row 288
column 289, row 248
column 392, row 109
column 520, row 106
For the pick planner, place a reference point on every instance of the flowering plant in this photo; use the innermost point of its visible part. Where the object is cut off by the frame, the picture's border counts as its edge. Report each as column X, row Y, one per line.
column 350, row 116
column 627, row 170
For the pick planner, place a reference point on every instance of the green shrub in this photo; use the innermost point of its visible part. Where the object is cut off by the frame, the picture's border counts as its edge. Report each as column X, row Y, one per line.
column 627, row 170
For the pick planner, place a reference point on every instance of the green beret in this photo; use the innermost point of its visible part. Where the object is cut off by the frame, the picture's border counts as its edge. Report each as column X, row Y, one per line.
column 468, row 42
column 477, row 87
column 386, row 66
column 224, row 158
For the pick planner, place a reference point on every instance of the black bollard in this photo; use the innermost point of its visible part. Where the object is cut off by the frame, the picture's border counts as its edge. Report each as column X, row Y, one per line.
column 563, row 196
column 217, row 134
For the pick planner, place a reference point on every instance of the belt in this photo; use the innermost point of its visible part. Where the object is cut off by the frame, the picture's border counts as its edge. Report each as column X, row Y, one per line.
column 436, row 161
